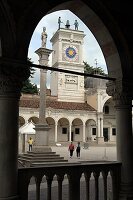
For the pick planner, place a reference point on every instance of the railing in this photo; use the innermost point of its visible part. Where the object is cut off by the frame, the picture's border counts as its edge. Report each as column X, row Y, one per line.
column 99, row 170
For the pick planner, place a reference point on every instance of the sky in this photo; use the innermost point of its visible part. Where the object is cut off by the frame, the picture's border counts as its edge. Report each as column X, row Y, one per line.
column 91, row 48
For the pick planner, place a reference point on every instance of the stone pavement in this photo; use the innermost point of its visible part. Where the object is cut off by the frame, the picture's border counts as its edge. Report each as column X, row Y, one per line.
column 93, row 153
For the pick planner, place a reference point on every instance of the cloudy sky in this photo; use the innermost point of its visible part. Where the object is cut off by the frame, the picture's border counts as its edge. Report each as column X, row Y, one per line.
column 91, row 48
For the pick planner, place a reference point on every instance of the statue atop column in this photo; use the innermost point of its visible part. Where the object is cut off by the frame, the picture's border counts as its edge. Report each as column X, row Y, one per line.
column 44, row 37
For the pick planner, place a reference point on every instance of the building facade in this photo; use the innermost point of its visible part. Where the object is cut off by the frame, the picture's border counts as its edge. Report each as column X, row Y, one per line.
column 76, row 109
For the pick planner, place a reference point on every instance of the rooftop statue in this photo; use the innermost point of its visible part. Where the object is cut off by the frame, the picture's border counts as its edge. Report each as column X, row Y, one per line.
column 44, row 37
column 67, row 24
column 76, row 24
column 59, row 22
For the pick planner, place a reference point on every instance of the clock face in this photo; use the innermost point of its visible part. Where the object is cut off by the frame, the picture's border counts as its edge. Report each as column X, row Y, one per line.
column 70, row 53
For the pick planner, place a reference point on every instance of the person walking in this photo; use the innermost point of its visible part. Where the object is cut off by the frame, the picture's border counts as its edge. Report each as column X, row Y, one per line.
column 71, row 149
column 30, row 142
column 78, row 150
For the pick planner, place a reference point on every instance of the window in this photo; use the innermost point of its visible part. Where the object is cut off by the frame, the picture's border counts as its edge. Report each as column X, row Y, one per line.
column 113, row 131
column 106, row 110
column 93, row 131
column 77, row 131
column 64, row 130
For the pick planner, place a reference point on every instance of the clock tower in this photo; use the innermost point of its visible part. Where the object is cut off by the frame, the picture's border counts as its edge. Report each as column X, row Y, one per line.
column 67, row 45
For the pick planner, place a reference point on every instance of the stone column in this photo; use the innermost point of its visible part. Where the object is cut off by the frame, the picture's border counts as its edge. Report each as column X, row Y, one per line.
column 42, row 128
column 101, row 131
column 122, row 95
column 70, row 130
column 123, row 105
column 10, row 86
column 83, row 131
column 100, row 138
column 56, row 126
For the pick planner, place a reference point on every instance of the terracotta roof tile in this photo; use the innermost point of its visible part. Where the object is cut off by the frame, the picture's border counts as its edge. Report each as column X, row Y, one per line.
column 34, row 103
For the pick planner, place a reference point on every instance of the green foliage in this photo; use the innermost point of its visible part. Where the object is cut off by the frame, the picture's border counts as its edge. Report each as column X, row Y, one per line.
column 93, row 70
column 28, row 87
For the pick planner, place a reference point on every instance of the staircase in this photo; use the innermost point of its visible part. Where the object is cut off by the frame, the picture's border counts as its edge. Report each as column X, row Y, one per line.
column 39, row 159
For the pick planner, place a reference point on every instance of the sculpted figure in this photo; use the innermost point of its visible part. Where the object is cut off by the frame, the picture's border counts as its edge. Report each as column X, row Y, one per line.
column 44, row 37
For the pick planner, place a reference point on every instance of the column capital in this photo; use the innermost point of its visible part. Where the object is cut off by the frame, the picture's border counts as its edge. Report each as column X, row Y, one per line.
column 12, row 75
column 121, row 91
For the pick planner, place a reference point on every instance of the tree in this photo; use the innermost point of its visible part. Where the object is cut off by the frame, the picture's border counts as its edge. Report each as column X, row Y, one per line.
column 28, row 87
column 93, row 70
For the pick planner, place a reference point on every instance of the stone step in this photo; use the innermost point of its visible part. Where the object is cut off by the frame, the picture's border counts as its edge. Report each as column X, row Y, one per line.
column 40, row 153
column 51, row 163
column 39, row 156
column 40, row 160
column 31, row 159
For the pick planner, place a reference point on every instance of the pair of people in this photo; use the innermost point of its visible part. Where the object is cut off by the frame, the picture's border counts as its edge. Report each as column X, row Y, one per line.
column 71, row 149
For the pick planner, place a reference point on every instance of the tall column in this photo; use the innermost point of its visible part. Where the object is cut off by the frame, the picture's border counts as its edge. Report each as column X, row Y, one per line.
column 83, row 131
column 121, row 90
column 56, row 126
column 10, row 86
column 124, row 143
column 70, row 130
column 100, row 138
column 101, row 131
column 42, row 128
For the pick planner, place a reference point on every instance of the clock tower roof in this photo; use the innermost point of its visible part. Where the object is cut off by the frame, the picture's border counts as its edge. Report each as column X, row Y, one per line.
column 65, row 32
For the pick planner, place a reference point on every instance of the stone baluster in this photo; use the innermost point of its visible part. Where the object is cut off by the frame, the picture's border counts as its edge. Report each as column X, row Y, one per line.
column 96, row 176
column 38, row 180
column 23, row 182
column 87, row 180
column 49, row 179
column 11, row 77
column 60, row 179
column 74, row 185
column 105, row 174
column 115, row 174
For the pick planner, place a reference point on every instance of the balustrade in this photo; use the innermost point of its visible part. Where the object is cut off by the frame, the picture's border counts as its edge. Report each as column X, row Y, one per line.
column 73, row 173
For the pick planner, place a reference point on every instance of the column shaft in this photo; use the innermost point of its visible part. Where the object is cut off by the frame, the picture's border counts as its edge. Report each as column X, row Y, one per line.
column 42, row 109
column 70, row 130
column 55, row 132
column 125, row 147
column 83, row 132
column 8, row 147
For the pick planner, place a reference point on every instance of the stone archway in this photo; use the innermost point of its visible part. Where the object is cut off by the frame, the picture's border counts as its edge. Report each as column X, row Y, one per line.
column 91, row 130
column 21, row 121
column 15, row 46
column 109, row 121
column 35, row 120
column 77, row 130
column 63, row 130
